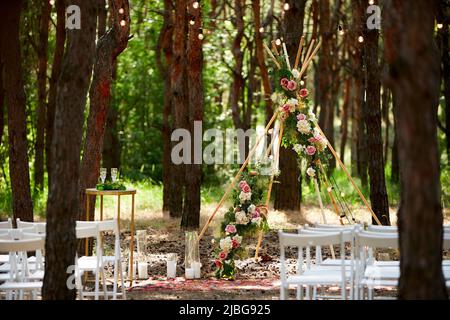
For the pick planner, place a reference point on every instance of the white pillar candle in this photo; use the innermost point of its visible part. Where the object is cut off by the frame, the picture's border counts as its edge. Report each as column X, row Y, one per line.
column 142, row 270
column 197, row 269
column 171, row 269
column 189, row 273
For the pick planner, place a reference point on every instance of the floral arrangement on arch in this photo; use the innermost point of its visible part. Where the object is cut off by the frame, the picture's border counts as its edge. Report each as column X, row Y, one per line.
column 300, row 131
column 246, row 218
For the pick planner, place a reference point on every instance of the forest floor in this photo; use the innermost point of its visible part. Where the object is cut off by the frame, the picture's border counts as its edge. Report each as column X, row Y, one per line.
column 255, row 280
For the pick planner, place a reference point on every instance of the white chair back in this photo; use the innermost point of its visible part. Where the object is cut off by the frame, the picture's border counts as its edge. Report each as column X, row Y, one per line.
column 6, row 224
column 382, row 229
column 40, row 226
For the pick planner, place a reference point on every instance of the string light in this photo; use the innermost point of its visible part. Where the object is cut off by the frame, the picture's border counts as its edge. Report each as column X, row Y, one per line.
column 200, row 36
column 192, row 22
column 123, row 23
column 261, row 30
column 361, row 39
column 121, row 11
column 52, row 2
column 371, row 2
column 440, row 25
column 195, row 5
column 278, row 42
column 286, row 6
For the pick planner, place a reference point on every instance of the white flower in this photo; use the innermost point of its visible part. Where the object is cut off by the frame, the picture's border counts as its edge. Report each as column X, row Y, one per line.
column 275, row 97
column 251, row 208
column 298, row 148
column 303, row 126
column 312, row 116
column 295, row 73
column 238, row 238
column 226, row 244
column 293, row 102
column 241, row 217
column 257, row 221
column 322, row 144
column 245, row 196
column 311, row 172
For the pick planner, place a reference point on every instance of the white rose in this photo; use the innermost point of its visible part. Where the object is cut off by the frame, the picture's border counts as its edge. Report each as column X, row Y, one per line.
column 311, row 172
column 251, row 208
column 303, row 126
column 293, row 102
column 245, row 196
column 241, row 217
column 226, row 244
column 298, row 148
column 312, row 116
column 295, row 73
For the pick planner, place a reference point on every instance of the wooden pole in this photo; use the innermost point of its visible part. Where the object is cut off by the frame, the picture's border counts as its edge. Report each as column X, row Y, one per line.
column 330, row 193
column 299, row 52
column 269, row 191
column 308, row 61
column 344, row 168
column 231, row 186
column 272, row 56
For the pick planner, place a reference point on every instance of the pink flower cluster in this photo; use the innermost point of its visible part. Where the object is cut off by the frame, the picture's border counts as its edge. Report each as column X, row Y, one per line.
column 256, row 214
column 310, row 150
column 243, row 185
column 315, row 139
column 301, row 117
column 288, row 84
column 230, row 229
column 304, row 93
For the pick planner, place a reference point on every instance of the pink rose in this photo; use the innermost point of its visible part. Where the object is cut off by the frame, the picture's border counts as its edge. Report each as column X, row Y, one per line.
column 223, row 255
column 301, row 117
column 304, row 93
column 230, row 229
column 235, row 244
column 246, row 189
column 242, row 184
column 256, row 214
column 284, row 82
column 310, row 151
column 292, row 85
column 218, row 263
column 286, row 108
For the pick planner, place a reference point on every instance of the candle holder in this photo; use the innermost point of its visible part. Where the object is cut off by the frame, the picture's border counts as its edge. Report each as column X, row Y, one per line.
column 192, row 256
column 141, row 240
column 172, row 265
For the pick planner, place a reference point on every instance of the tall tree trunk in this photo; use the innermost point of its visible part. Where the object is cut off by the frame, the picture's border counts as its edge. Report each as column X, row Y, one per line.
column 192, row 200
column 345, row 117
column 256, row 6
column 180, row 101
column 109, row 47
column 2, row 101
column 56, row 71
column 372, row 118
column 165, row 46
column 42, row 95
column 326, row 116
column 63, row 199
column 414, row 79
column 395, row 170
column 16, row 101
column 290, row 177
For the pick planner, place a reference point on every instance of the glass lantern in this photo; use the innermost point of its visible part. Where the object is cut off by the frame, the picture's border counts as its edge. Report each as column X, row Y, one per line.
column 141, row 241
column 192, row 255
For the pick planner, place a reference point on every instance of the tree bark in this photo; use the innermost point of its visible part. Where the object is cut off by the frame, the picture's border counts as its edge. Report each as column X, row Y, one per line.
column 180, row 101
column 256, row 6
column 372, row 118
column 56, row 71
column 290, row 177
column 2, row 101
column 109, row 47
column 16, row 102
column 42, row 95
column 63, row 199
column 165, row 46
column 345, row 117
column 414, row 79
column 192, row 200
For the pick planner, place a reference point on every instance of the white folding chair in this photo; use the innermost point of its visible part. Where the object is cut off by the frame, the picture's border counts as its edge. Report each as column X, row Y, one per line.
column 6, row 224
column 19, row 280
column 40, row 226
column 85, row 264
column 382, row 229
column 313, row 275
column 371, row 273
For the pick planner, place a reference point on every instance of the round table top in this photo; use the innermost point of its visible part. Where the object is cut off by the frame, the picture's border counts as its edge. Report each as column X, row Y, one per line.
column 94, row 191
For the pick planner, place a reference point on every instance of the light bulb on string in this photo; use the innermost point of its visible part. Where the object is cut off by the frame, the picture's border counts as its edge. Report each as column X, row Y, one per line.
column 192, row 22
column 200, row 36
column 52, row 2
column 286, row 6
column 121, row 11
column 371, row 2
column 361, row 39
column 123, row 23
column 261, row 30
column 440, row 25
column 195, row 5
column 278, row 42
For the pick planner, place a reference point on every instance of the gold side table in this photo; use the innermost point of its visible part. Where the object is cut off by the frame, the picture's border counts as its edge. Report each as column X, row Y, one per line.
column 94, row 192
